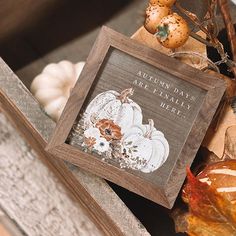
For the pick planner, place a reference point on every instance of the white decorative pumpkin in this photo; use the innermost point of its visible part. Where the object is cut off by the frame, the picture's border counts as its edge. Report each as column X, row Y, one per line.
column 114, row 106
column 52, row 87
column 145, row 146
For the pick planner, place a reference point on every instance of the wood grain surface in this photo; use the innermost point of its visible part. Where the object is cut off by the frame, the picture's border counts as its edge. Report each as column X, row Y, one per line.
column 32, row 195
column 109, row 68
column 89, row 190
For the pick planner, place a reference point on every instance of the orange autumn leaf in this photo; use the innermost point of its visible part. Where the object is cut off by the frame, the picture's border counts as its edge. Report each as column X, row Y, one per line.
column 211, row 212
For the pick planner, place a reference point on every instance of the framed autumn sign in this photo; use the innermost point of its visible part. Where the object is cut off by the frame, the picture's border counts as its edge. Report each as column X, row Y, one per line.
column 136, row 117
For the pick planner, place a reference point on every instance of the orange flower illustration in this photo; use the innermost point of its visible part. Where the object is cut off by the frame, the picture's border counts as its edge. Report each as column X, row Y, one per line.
column 90, row 141
column 109, row 130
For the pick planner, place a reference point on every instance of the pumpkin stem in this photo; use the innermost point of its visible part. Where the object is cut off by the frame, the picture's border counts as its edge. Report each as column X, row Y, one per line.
column 162, row 32
column 151, row 127
column 124, row 95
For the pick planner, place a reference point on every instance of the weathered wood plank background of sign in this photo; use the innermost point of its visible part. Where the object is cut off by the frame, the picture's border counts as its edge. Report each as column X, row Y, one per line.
column 171, row 102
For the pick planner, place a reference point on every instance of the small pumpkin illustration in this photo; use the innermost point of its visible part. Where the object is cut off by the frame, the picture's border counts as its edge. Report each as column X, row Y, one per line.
column 114, row 106
column 146, row 146
column 52, row 87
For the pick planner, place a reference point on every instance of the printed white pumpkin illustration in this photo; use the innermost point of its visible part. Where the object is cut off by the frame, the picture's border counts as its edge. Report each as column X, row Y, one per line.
column 52, row 87
column 114, row 106
column 145, row 147
column 112, row 127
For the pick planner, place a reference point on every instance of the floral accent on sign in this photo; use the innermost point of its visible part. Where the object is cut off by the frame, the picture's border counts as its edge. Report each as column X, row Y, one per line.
column 93, row 139
column 90, row 142
column 109, row 130
column 111, row 126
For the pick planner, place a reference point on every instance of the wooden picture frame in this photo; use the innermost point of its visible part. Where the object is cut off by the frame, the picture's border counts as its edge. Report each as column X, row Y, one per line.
column 183, row 114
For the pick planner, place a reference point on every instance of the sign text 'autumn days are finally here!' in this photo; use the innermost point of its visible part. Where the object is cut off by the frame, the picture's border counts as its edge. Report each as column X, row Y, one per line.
column 175, row 100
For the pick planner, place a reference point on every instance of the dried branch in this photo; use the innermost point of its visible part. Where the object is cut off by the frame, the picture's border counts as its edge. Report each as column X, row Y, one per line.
column 210, row 29
column 224, row 8
column 212, row 25
column 193, row 18
column 201, row 39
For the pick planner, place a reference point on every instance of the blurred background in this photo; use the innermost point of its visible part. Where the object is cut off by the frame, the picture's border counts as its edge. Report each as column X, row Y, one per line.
column 51, row 30
column 35, row 33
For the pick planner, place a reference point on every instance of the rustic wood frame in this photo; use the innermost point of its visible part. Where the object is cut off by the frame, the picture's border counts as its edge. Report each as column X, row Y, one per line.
column 166, row 194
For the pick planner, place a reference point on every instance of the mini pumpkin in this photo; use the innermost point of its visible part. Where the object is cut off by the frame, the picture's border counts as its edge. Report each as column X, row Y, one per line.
column 168, row 3
column 172, row 31
column 114, row 106
column 154, row 14
column 211, row 199
column 52, row 87
column 145, row 146
column 221, row 176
